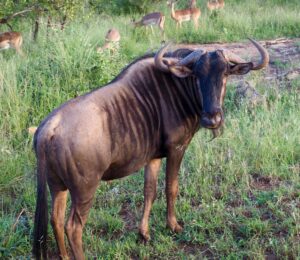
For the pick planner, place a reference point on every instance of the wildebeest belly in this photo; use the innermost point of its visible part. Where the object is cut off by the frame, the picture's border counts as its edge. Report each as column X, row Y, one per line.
column 116, row 171
column 128, row 158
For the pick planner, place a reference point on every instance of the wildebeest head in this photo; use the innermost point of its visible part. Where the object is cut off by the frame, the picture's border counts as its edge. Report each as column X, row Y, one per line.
column 211, row 70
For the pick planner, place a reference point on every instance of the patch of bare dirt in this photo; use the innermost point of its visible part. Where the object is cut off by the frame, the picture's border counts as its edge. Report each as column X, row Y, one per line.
column 247, row 213
column 291, row 198
column 196, row 249
column 128, row 216
column 271, row 256
column 235, row 203
column 259, row 182
column 55, row 255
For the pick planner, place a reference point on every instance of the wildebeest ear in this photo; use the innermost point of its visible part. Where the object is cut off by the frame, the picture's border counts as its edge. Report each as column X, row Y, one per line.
column 241, row 68
column 180, row 71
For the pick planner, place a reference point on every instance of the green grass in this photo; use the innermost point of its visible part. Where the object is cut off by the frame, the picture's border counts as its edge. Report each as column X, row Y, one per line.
column 239, row 194
column 239, row 20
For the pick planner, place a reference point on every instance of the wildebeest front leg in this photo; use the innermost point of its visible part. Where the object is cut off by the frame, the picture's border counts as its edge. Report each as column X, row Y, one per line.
column 173, row 164
column 150, row 183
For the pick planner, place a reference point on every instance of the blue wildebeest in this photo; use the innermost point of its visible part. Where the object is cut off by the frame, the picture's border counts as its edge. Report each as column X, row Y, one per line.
column 150, row 111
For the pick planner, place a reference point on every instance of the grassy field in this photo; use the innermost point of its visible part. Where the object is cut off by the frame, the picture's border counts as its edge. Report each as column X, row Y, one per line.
column 239, row 194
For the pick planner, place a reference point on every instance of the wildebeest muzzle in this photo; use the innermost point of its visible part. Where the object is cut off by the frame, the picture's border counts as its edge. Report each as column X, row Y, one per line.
column 212, row 120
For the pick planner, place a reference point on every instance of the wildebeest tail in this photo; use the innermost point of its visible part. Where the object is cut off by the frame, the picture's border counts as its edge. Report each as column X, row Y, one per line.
column 41, row 211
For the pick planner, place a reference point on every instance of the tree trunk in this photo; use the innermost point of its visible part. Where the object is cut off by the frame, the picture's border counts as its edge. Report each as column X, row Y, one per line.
column 36, row 28
column 49, row 25
column 63, row 22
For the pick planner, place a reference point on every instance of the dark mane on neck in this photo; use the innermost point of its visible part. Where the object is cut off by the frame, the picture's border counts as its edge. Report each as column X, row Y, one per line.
column 178, row 53
column 124, row 71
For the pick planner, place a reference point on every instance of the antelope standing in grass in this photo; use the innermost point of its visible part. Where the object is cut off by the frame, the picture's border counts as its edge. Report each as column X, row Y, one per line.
column 11, row 40
column 151, row 19
column 184, row 15
column 215, row 4
column 112, row 40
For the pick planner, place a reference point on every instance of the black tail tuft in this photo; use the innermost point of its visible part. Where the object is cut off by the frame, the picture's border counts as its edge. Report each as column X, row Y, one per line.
column 41, row 213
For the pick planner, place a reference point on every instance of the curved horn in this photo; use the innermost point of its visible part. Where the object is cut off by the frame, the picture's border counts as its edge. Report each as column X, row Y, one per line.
column 158, row 60
column 231, row 57
column 194, row 56
column 264, row 56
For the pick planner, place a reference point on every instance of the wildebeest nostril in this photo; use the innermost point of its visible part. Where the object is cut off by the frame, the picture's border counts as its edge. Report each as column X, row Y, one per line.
column 213, row 119
column 218, row 118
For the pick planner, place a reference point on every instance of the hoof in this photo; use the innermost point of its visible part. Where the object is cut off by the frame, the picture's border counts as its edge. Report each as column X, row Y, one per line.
column 145, row 237
column 175, row 228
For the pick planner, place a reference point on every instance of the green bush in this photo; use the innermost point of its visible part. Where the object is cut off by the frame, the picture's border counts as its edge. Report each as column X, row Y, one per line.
column 122, row 6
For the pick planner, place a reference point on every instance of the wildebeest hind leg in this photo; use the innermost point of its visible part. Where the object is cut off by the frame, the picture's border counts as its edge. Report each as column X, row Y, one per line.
column 150, row 183
column 59, row 199
column 82, row 201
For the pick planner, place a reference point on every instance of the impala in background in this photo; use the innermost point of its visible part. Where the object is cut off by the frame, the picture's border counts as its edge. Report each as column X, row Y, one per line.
column 112, row 39
column 156, row 19
column 185, row 15
column 215, row 4
column 11, row 40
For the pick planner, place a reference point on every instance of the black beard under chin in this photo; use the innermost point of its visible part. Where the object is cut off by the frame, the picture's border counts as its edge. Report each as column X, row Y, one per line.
column 217, row 132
